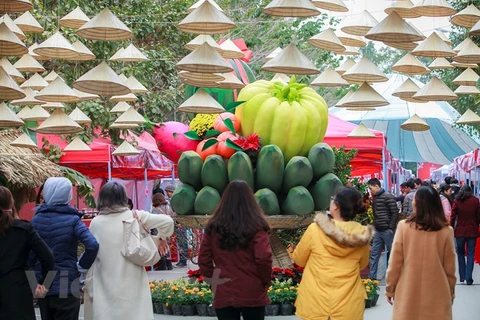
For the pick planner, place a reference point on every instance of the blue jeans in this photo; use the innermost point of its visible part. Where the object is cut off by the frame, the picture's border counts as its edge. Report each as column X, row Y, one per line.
column 380, row 240
column 465, row 271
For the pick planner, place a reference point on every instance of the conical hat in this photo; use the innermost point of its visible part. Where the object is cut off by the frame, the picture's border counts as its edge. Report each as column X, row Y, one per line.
column 200, row 83
column 331, row 5
column 58, row 91
column 74, row 19
column 469, row 54
column 36, row 82
column 329, row 78
column 281, row 77
column 415, row 123
column 349, row 51
column 361, row 109
column 406, row 91
column 27, row 23
column 129, row 54
column 347, row 96
column 231, row 82
column 11, row 71
column 419, row 32
column 59, row 123
column 462, row 44
column 291, row 8
column 77, row 145
column 130, row 97
column 410, row 65
column 131, row 116
column 204, row 59
column 201, row 102
column 13, row 27
column 56, row 47
column 135, row 86
column 403, row 8
column 433, row 47
column 123, row 77
column 361, row 131
column 200, row 39
column 365, row 96
column 9, row 89
column 230, row 50
column 443, row 37
column 364, row 71
column 10, row 45
column 116, row 125
column 291, row 60
column 273, row 54
column 36, row 56
column 24, row 141
column 394, row 29
column 120, row 107
column 350, row 40
column 467, row 90
column 361, row 25
column 205, row 77
column 402, row 45
column 29, row 99
column 53, row 105
column 466, row 78
column 469, row 117
column 105, row 26
column 467, row 18
column 327, row 40
column 52, row 76
column 345, row 66
column 84, row 53
column 28, row 64
column 206, row 19
column 434, row 8
column 199, row 3
column 464, row 65
column 23, row 112
column 8, row 118
column 117, row 54
column 102, row 80
column 440, row 63
column 15, row 5
column 79, row 117
column 435, row 90
column 125, row 149
column 37, row 113
column 475, row 31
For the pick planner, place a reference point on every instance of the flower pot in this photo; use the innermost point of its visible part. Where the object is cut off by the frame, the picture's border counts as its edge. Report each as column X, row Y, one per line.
column 202, row 310
column 188, row 311
column 272, row 310
column 177, row 310
column 375, row 300
column 167, row 309
column 368, row 303
column 211, row 311
column 286, row 309
column 157, row 308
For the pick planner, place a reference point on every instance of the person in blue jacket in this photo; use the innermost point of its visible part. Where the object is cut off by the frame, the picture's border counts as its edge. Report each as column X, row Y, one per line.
column 60, row 226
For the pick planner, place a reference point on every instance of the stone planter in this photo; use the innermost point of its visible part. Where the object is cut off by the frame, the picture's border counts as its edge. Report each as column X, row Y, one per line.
column 272, row 310
column 177, row 310
column 189, row 310
column 167, row 310
column 286, row 309
column 202, row 309
column 211, row 311
column 157, row 308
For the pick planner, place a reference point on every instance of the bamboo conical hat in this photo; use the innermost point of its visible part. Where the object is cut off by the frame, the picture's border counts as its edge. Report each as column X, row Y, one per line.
column 464, row 65
column 350, row 40
column 129, row 54
column 117, row 54
column 101, row 80
column 361, row 109
column 329, row 78
column 469, row 117
column 466, row 90
column 24, row 141
column 435, row 90
column 123, row 77
column 365, row 96
column 440, row 63
column 200, row 83
column 131, row 116
column 84, row 96
column 199, row 40
column 75, row 19
column 415, row 123
column 204, row 59
column 57, row 91
column 13, row 27
column 59, row 123
column 135, row 85
column 10, row 45
column 347, row 96
column 410, row 65
column 79, row 117
column 125, row 149
column 36, row 82
column 84, row 54
column 230, row 50
column 326, row 40
column 364, row 71
column 11, row 71
column 394, row 29
column 8, row 118
column 331, row 5
column 349, row 51
column 77, row 145
column 9, row 89
column 52, row 76
column 433, row 47
column 24, row 111
column 434, row 8
column 462, row 44
column 420, row 33
column 29, row 99
column 28, row 64
column 443, row 37
column 467, row 18
column 475, row 31
column 206, row 19
column 120, row 107
column 466, row 78
column 27, row 23
column 281, row 77
column 115, row 125
column 403, row 8
column 105, row 26
column 231, row 82
column 406, row 91
column 291, row 8
column 56, row 47
column 345, row 66
column 53, row 105
column 361, row 131
column 469, row 54
column 130, row 97
column 37, row 113
column 291, row 60
column 361, row 25
column 36, row 56
column 273, row 54
column 15, row 5
column 199, row 3
column 201, row 77
column 402, row 45
column 201, row 102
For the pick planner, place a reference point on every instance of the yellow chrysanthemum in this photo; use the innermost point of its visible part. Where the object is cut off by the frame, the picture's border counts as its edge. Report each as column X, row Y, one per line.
column 202, row 123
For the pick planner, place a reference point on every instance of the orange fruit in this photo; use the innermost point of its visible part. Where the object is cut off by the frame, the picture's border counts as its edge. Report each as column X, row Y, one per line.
column 207, row 152
column 220, row 126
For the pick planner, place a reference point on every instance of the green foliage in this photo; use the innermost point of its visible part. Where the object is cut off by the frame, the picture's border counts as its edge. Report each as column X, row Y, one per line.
column 51, row 151
column 343, row 168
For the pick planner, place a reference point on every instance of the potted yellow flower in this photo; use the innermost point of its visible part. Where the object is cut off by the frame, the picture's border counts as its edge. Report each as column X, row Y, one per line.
column 203, row 299
column 157, row 296
column 371, row 287
column 173, row 299
column 188, row 299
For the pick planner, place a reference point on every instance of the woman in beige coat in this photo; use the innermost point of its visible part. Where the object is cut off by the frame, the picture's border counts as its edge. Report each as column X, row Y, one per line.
column 421, row 271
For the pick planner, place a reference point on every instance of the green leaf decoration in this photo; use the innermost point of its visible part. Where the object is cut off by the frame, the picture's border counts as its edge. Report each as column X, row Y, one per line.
column 212, row 133
column 229, row 124
column 192, row 135
column 209, row 143
column 229, row 143
column 232, row 105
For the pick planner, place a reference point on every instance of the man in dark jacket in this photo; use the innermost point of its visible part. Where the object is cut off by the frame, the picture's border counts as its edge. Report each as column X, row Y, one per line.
column 60, row 226
column 385, row 211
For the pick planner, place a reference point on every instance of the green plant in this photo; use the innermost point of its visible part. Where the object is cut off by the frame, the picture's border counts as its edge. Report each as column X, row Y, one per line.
column 343, row 168
column 158, row 290
column 282, row 292
column 53, row 152
column 371, row 287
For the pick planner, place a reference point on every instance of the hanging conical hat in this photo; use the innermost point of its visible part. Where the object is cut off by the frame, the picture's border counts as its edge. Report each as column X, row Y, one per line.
column 36, row 82
column 475, row 31
column 410, row 65
column 364, row 71
column 200, row 39
column 84, row 96
column 345, row 66
column 349, row 51
column 10, row 45
column 37, row 113
column 102, row 80
column 365, row 96
column 24, row 141
column 8, row 118
column 331, row 5
column 433, row 47
column 440, row 63
column 415, row 123
column 125, row 149
column 52, row 76
column 326, row 40
column 56, row 47
column 434, row 8
column 123, row 77
column 29, row 99
column 206, row 19
column 361, row 131
column 135, row 86
column 361, row 109
column 467, row 18
column 74, row 19
column 59, row 123
column 443, row 37
column 329, row 78
column 350, row 40
column 462, row 44
column 28, row 64
column 394, row 29
column 204, row 59
column 27, row 23
column 77, row 145
column 469, row 54
column 130, row 97
column 281, row 77
column 9, row 89
column 403, row 8
column 53, row 105
column 23, row 112
column 131, row 116
column 419, row 32
column 361, row 25
column 291, row 60
column 199, row 3
column 464, row 65
column 201, row 102
column 115, row 125
column 15, row 5
column 406, row 91
column 273, row 54
column 466, row 78
column 347, row 96
column 84, row 54
column 58, row 91
column 120, row 107
column 205, row 77
column 467, row 90
column 117, row 54
column 435, row 90
column 402, row 45
column 11, row 71
column 200, row 83
column 231, row 82
column 469, row 117
column 291, row 8
column 79, row 117
column 36, row 56
column 230, row 50
column 13, row 27
column 129, row 54
column 105, row 26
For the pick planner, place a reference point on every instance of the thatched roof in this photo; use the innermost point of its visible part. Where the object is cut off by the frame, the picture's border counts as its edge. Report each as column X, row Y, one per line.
column 24, row 167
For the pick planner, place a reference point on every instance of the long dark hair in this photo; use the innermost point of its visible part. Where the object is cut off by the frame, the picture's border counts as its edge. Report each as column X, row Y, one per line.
column 464, row 193
column 428, row 212
column 6, row 210
column 350, row 202
column 237, row 217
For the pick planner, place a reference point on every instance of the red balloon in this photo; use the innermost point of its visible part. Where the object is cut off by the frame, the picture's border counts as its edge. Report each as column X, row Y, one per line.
column 171, row 140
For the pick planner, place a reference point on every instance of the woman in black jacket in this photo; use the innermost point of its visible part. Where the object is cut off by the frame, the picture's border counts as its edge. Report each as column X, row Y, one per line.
column 17, row 238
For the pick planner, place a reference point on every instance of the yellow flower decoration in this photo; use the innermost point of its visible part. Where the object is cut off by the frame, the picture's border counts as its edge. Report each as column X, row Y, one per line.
column 202, row 123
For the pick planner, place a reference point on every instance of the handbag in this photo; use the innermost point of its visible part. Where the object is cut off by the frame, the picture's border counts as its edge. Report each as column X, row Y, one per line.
column 139, row 246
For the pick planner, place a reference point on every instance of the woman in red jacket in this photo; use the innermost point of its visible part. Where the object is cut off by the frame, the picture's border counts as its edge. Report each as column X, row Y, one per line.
column 235, row 255
column 465, row 220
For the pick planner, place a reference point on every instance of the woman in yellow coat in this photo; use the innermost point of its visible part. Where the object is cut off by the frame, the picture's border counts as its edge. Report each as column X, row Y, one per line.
column 333, row 250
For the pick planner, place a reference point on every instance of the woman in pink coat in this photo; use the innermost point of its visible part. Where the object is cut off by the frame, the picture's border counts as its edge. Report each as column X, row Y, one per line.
column 445, row 196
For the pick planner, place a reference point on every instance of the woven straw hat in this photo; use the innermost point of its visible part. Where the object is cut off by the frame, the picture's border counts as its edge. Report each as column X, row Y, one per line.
column 58, row 91
column 36, row 56
column 415, row 123
column 116, row 125
column 350, row 40
column 230, row 50
column 56, row 47
column 129, row 54
column 105, row 26
column 329, row 78
column 206, row 19
column 59, row 123
column 345, row 66
column 361, row 109
column 11, row 71
column 36, row 82
column 402, row 45
column 200, row 39
column 79, row 117
column 200, row 83
column 361, row 25
column 364, row 71
column 434, row 8
column 435, row 90
column 469, row 117
column 349, row 51
column 24, row 141
column 15, row 5
column 24, row 111
column 135, row 85
column 440, row 63
column 231, row 82
column 13, row 27
column 131, row 116
column 467, row 18
column 410, row 65
column 28, row 64
column 281, row 77
column 326, row 40
column 120, row 107
column 27, row 23
column 467, row 78
column 331, row 5
column 406, row 91
column 29, row 99
column 9, row 89
column 199, row 3
column 130, row 97
column 10, row 45
column 102, row 80
column 201, row 102
column 205, row 77
column 291, row 8
column 84, row 54
column 467, row 90
column 37, row 113
column 361, row 131
column 394, row 29
column 443, row 37
column 291, row 61
column 204, row 59
column 475, row 31
column 125, row 149
column 53, row 105
column 84, row 96
column 365, row 96
column 464, row 65
column 8, row 118
column 462, row 44
column 52, row 76
column 347, row 96
column 433, row 47
column 403, row 8
column 77, row 145
column 273, row 54
column 75, row 19
column 470, row 53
